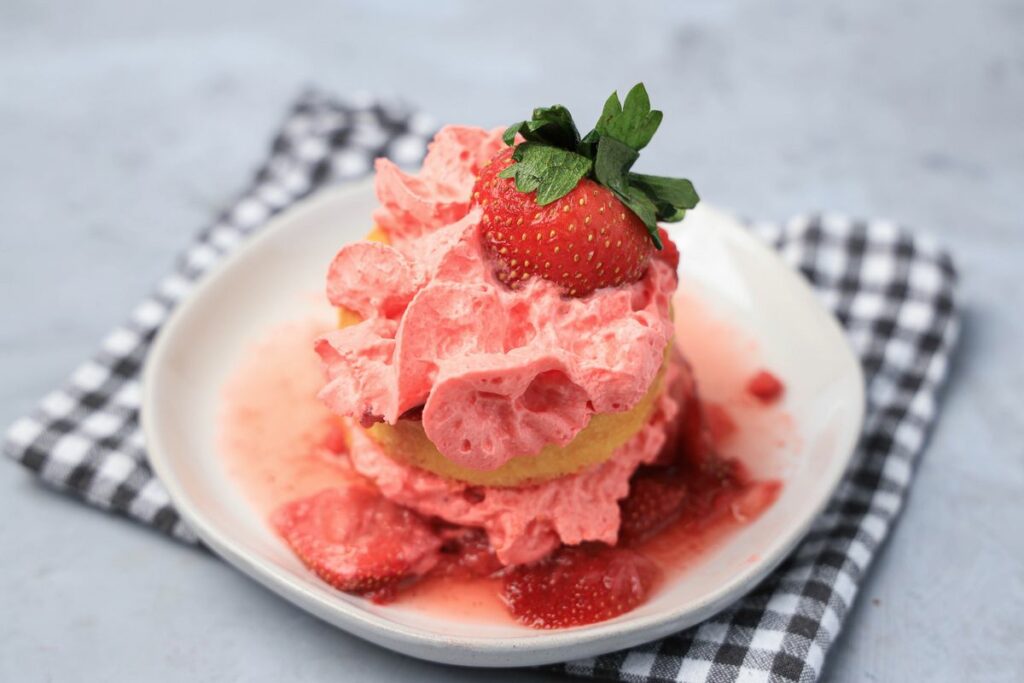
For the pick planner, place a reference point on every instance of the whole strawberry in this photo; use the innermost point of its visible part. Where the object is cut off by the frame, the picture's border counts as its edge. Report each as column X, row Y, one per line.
column 568, row 209
column 583, row 241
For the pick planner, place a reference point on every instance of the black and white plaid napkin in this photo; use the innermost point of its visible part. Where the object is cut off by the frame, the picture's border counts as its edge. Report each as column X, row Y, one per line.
column 892, row 290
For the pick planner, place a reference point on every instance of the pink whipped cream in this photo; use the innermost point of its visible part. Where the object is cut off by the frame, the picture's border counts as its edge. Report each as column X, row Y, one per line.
column 499, row 373
column 526, row 523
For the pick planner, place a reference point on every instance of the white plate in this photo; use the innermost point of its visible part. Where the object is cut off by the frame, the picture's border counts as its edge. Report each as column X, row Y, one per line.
column 272, row 277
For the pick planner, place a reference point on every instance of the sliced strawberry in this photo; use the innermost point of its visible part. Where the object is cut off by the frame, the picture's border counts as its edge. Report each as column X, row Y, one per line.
column 655, row 500
column 357, row 541
column 578, row 585
column 583, row 241
column 690, row 494
column 765, row 387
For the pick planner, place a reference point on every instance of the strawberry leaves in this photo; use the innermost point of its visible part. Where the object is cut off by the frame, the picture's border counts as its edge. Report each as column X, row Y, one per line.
column 631, row 122
column 612, row 162
column 643, row 206
column 553, row 158
column 551, row 171
column 672, row 196
column 549, row 125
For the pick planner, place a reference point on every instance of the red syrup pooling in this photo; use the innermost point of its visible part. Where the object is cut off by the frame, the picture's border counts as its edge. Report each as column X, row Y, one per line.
column 281, row 445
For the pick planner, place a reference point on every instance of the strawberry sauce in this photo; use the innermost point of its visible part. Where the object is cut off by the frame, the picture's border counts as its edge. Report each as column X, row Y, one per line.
column 278, row 441
column 281, row 445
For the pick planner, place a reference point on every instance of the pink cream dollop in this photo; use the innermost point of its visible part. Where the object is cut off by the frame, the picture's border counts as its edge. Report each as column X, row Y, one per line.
column 499, row 373
column 524, row 524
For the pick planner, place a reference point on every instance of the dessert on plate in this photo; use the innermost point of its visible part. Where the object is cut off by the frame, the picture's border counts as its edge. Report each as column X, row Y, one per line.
column 505, row 377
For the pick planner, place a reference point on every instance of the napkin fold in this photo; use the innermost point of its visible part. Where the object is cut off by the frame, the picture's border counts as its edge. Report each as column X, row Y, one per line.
column 892, row 290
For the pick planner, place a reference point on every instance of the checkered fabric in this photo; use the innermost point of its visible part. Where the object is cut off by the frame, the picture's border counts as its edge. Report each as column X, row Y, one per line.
column 894, row 293
column 892, row 290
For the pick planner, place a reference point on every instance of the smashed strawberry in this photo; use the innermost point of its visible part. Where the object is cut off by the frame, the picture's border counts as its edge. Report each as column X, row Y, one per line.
column 654, row 502
column 715, row 484
column 765, row 387
column 357, row 541
column 578, row 585
column 466, row 552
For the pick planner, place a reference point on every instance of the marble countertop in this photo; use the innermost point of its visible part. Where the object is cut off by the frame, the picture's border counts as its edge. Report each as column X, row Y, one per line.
column 125, row 128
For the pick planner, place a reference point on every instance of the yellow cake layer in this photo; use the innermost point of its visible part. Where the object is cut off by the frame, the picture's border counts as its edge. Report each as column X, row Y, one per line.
column 407, row 442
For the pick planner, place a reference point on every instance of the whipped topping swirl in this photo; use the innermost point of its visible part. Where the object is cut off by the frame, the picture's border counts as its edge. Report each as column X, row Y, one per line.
column 499, row 373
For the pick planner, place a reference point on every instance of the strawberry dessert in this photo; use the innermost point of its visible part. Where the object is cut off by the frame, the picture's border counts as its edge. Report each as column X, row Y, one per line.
column 504, row 380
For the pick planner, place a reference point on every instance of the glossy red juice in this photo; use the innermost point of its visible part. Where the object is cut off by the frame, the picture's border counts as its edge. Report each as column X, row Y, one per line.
column 279, row 443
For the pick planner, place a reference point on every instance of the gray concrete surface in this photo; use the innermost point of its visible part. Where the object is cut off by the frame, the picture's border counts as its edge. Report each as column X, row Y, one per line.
column 124, row 126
